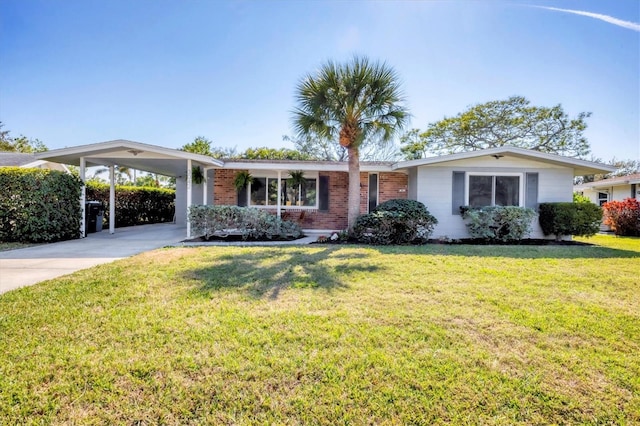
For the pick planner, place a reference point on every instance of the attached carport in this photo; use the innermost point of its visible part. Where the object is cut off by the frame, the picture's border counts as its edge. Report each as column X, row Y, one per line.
column 145, row 157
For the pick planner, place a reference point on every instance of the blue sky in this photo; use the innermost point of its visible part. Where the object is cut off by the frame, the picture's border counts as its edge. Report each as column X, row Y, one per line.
column 164, row 72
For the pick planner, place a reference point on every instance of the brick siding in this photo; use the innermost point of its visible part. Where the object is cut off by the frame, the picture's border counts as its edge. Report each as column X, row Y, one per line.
column 391, row 185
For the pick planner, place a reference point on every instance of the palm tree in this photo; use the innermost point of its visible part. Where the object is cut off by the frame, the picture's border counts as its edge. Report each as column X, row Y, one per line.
column 352, row 102
column 123, row 174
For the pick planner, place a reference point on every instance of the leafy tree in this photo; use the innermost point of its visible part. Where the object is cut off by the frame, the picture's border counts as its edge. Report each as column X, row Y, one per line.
column 321, row 149
column 147, row 181
column 19, row 144
column 513, row 121
column 203, row 146
column 330, row 150
column 623, row 168
column 352, row 103
column 264, row 153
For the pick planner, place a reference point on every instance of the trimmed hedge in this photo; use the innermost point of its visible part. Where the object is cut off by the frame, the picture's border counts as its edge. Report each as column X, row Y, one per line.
column 623, row 217
column 395, row 222
column 39, row 205
column 247, row 222
column 135, row 205
column 498, row 223
column 579, row 219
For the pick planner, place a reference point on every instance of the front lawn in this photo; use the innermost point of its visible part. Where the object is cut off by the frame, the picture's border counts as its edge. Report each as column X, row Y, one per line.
column 319, row 334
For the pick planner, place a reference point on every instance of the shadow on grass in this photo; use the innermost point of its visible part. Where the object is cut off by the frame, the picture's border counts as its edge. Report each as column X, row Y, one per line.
column 514, row 251
column 265, row 273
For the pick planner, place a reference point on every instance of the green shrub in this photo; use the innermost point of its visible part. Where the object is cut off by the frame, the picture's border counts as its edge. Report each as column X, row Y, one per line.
column 579, row 198
column 248, row 222
column 580, row 219
column 395, row 222
column 623, row 216
column 135, row 205
column 39, row 205
column 499, row 223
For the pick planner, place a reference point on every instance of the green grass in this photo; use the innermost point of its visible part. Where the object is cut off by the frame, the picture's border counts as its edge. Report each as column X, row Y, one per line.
column 13, row 246
column 331, row 335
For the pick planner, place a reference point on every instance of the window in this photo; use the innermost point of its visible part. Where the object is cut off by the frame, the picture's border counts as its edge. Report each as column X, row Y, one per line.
column 494, row 190
column 263, row 191
column 373, row 191
column 603, row 197
column 304, row 194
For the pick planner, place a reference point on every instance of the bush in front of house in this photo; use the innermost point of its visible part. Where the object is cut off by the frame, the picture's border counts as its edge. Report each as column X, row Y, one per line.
column 395, row 222
column 578, row 218
column 498, row 223
column 39, row 205
column 623, row 217
column 135, row 205
column 247, row 222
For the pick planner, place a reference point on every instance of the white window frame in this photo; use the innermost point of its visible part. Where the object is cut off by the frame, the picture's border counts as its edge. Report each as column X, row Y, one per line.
column 274, row 175
column 521, row 194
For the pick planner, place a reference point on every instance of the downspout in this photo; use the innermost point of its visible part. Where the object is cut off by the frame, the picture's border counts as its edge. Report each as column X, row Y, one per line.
column 83, row 197
column 112, row 200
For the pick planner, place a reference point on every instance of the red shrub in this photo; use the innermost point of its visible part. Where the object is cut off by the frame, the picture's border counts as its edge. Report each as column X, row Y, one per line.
column 623, row 216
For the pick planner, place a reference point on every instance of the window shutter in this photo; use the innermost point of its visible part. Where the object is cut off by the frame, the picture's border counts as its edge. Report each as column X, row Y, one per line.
column 633, row 190
column 242, row 197
column 457, row 195
column 531, row 191
column 323, row 198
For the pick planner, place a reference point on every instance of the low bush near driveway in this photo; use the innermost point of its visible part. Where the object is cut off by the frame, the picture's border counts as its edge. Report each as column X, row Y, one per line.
column 38, row 205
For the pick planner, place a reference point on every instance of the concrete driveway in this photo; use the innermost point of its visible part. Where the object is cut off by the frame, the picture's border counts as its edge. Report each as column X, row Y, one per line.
column 19, row 268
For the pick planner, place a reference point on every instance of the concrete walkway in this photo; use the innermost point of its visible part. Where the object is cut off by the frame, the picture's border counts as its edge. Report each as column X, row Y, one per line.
column 27, row 266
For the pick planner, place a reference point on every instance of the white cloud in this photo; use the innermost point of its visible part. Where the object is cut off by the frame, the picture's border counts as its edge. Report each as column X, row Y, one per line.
column 606, row 18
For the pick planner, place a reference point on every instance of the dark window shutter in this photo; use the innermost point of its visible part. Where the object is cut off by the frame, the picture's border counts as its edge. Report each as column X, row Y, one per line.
column 633, row 190
column 457, row 195
column 323, row 198
column 242, row 197
column 531, row 191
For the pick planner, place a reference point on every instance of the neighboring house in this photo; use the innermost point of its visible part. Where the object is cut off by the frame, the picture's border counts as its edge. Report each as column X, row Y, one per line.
column 26, row 160
column 613, row 189
column 497, row 176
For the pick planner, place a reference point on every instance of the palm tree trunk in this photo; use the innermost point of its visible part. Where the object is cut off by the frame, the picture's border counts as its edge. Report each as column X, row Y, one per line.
column 354, row 185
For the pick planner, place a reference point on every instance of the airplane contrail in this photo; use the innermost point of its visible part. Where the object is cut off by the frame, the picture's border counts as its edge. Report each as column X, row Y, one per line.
column 606, row 18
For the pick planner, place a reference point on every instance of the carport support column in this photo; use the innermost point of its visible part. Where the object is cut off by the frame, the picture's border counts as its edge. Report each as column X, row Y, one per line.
column 188, row 197
column 204, row 187
column 278, row 202
column 83, row 196
column 112, row 201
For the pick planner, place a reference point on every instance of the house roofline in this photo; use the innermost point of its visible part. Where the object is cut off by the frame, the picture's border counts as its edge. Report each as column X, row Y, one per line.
column 607, row 183
column 309, row 165
column 580, row 167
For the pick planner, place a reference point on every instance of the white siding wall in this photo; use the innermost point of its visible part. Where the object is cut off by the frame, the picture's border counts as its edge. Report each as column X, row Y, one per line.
column 434, row 188
column 196, row 197
column 181, row 201
column 620, row 192
column 412, row 183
